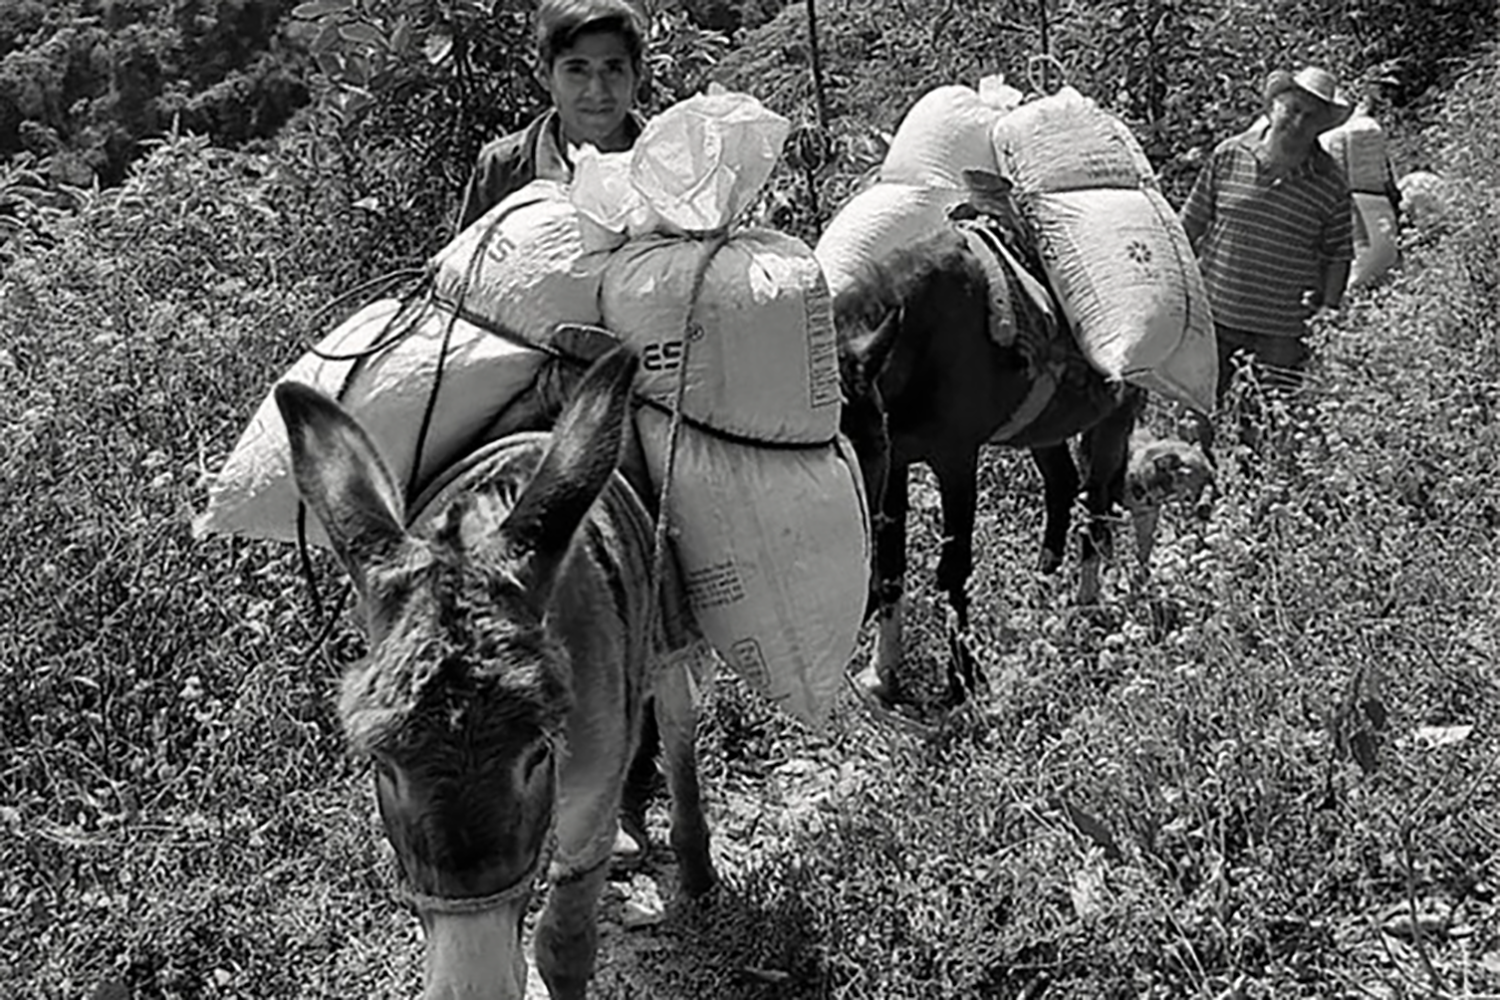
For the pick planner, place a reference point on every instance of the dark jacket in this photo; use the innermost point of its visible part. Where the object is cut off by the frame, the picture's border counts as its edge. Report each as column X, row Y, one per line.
column 513, row 161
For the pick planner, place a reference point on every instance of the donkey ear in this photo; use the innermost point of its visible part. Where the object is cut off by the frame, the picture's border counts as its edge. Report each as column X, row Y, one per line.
column 585, row 450
column 341, row 476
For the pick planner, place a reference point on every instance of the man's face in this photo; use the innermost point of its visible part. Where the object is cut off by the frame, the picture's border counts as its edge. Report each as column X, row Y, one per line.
column 1297, row 115
column 593, row 86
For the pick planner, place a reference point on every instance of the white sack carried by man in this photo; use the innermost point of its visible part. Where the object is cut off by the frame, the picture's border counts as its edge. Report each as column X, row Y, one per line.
column 764, row 506
column 1114, row 250
column 531, row 262
column 1359, row 147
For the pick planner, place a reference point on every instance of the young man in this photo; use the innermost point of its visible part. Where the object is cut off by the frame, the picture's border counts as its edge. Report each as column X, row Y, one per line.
column 590, row 59
column 1269, row 217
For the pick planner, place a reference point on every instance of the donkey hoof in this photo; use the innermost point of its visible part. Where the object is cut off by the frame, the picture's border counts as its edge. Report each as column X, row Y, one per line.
column 1049, row 563
column 631, row 847
column 871, row 687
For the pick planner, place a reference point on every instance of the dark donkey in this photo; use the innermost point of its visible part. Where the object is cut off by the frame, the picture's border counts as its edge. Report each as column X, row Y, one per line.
column 512, row 635
column 927, row 380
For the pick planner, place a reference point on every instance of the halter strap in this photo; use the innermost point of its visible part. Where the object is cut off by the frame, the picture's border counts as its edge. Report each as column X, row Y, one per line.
column 517, row 891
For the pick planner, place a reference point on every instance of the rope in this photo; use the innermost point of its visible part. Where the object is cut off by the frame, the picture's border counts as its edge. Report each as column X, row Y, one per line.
column 1044, row 62
column 382, row 282
column 582, row 364
column 711, row 246
column 425, row 293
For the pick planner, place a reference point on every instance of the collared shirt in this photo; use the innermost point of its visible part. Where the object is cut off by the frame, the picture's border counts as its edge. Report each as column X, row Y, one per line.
column 1264, row 243
column 512, row 161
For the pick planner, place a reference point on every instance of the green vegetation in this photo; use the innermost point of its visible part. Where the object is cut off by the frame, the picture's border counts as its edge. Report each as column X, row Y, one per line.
column 82, row 82
column 1273, row 779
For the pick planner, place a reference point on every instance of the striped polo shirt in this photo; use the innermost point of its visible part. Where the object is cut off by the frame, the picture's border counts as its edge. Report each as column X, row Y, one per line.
column 1262, row 243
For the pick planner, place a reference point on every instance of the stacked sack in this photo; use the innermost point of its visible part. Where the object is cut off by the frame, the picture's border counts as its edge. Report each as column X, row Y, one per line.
column 1117, row 257
column 765, row 507
column 765, row 503
column 946, row 132
column 1359, row 147
column 426, row 377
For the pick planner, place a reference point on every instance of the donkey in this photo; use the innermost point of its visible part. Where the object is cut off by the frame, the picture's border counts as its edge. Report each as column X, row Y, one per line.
column 925, row 380
column 512, row 637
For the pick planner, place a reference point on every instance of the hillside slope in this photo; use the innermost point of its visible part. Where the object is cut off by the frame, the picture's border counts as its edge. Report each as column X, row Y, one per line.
column 1273, row 778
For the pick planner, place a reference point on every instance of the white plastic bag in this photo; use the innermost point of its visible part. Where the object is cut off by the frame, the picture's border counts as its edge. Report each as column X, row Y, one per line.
column 694, row 169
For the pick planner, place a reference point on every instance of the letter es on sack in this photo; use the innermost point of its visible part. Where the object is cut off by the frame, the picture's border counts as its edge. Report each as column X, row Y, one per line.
column 662, row 356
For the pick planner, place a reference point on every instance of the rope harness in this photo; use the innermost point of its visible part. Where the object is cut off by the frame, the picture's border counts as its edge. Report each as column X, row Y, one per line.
column 517, row 892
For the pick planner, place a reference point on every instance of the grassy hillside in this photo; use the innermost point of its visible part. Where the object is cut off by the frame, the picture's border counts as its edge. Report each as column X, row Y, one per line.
column 1273, row 779
column 1182, row 73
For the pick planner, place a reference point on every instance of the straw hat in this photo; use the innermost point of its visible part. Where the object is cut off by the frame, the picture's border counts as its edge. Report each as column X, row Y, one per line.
column 1319, row 83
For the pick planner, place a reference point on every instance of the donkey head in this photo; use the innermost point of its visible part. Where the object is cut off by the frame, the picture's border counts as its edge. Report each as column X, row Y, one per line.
column 463, row 699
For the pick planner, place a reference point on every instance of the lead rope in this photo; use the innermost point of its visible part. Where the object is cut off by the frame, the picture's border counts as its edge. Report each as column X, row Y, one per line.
column 711, row 245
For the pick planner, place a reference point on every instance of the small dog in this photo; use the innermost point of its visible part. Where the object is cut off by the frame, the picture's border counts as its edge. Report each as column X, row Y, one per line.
column 1160, row 471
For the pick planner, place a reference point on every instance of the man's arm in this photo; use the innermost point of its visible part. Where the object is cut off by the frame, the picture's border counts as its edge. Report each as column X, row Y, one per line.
column 1198, row 211
column 1335, row 278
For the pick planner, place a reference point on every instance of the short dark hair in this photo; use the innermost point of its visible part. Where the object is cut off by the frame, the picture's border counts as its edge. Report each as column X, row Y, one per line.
column 559, row 23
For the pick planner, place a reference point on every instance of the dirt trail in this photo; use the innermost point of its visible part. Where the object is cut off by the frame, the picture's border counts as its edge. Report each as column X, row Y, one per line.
column 656, row 946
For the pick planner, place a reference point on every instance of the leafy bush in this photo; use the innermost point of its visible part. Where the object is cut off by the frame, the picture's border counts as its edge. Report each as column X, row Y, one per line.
column 89, row 79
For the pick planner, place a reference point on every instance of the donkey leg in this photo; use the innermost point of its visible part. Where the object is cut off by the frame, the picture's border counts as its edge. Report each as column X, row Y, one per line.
column 880, row 678
column 641, row 782
column 1144, row 520
column 1106, row 452
column 958, row 486
column 1060, row 485
column 679, row 681
column 567, row 935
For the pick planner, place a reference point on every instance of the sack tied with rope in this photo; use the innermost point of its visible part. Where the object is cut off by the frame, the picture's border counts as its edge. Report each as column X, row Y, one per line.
column 1113, row 248
column 760, row 497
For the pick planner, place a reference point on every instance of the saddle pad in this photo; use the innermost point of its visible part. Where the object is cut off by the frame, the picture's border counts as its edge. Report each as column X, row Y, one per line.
column 1038, row 343
column 1004, row 273
column 1002, row 317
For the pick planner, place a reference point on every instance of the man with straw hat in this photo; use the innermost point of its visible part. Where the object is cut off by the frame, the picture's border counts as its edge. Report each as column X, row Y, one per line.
column 1269, row 217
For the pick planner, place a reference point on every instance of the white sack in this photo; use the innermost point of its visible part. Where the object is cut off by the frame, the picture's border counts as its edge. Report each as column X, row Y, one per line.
column 761, row 352
column 1128, row 282
column 775, row 555
column 1359, row 147
column 1375, row 249
column 946, row 132
column 1114, row 250
column 529, row 263
column 254, row 494
column 880, row 218
column 1066, row 142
